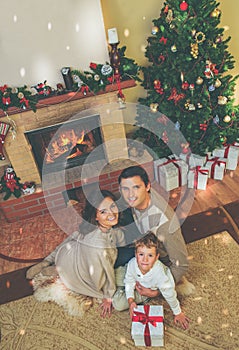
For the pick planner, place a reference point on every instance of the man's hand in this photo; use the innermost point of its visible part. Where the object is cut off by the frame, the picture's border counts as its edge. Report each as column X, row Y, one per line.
column 146, row 292
column 182, row 320
column 36, row 269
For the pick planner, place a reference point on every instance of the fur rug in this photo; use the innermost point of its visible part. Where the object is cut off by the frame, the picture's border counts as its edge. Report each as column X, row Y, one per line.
column 52, row 289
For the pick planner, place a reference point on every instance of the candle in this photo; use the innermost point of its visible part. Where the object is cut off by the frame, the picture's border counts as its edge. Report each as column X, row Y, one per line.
column 113, row 36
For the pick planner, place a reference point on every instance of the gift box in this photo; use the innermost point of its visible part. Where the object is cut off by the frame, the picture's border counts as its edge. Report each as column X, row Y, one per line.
column 193, row 159
column 216, row 167
column 198, row 177
column 147, row 325
column 231, row 153
column 170, row 173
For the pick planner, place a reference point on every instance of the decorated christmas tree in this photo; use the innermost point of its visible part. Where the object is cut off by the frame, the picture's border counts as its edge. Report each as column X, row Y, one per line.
column 187, row 81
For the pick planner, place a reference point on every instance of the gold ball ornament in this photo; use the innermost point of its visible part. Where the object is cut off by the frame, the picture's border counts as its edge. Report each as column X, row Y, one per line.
column 199, row 81
column 174, row 48
column 227, row 119
column 217, row 83
column 154, row 107
column 154, row 30
column 215, row 13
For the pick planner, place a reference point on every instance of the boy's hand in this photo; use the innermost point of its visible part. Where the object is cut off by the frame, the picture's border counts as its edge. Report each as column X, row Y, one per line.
column 182, row 319
column 132, row 306
column 146, row 292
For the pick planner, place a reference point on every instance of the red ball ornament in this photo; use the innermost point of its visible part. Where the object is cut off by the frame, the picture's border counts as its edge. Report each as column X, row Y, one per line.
column 183, row 6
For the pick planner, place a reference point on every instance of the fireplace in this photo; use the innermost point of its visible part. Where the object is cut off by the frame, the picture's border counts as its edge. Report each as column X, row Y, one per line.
column 68, row 144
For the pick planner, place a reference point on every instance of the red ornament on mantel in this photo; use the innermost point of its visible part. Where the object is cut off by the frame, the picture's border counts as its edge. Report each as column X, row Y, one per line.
column 183, row 6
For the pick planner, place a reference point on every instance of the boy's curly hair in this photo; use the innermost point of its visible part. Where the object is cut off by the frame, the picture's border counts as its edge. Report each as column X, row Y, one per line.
column 149, row 240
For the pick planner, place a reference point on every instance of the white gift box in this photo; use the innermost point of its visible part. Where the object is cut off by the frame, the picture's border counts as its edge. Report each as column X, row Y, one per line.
column 216, row 167
column 231, row 153
column 193, row 159
column 147, row 325
column 198, row 177
column 170, row 173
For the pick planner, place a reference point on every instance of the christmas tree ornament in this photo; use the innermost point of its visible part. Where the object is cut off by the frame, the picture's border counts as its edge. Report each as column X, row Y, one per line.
column 194, row 32
column 183, row 6
column 215, row 13
column 199, row 81
column 177, row 125
column 185, row 85
column 194, row 50
column 154, row 107
column 185, row 147
column 211, row 88
column 200, row 37
column 216, row 119
column 169, row 17
column 203, row 126
column 174, row 48
column 155, row 30
column 163, row 40
column 199, row 105
column 165, row 137
column 217, row 83
column 227, row 119
column 222, row 100
column 175, row 96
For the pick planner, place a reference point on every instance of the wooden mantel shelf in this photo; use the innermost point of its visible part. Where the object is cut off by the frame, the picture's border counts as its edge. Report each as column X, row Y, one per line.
column 70, row 96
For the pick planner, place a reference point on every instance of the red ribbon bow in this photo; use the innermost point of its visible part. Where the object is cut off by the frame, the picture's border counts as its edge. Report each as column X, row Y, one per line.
column 146, row 319
column 197, row 170
column 216, row 161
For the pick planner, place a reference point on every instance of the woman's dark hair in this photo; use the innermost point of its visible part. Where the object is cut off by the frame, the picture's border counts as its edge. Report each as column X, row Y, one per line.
column 92, row 203
column 132, row 171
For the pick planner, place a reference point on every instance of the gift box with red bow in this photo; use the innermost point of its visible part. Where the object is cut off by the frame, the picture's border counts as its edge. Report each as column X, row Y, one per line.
column 216, row 167
column 198, row 177
column 193, row 159
column 231, row 153
column 147, row 325
column 170, row 173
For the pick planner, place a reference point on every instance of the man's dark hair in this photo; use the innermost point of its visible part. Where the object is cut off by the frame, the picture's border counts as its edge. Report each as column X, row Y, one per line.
column 132, row 171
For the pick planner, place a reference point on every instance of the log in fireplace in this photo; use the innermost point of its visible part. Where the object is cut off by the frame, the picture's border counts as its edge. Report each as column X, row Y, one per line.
column 68, row 144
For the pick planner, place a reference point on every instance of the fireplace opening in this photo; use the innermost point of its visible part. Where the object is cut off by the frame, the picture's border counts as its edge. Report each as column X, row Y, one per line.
column 66, row 145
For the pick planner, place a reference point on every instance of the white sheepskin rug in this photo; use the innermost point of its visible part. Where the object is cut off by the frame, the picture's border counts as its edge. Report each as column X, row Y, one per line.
column 52, row 289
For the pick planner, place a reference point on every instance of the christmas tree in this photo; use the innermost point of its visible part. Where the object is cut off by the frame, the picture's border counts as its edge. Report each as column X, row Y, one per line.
column 187, row 81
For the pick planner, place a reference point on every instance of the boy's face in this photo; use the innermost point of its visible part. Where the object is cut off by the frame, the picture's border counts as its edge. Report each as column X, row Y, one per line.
column 135, row 193
column 146, row 258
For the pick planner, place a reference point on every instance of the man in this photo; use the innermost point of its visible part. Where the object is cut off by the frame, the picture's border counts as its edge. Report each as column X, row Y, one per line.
column 152, row 213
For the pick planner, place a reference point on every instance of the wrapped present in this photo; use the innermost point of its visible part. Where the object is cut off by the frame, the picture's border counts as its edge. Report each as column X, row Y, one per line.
column 198, row 177
column 216, row 167
column 170, row 173
column 193, row 159
column 147, row 325
column 231, row 153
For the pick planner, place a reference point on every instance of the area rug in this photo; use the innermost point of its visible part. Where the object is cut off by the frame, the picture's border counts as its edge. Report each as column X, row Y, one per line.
column 27, row 324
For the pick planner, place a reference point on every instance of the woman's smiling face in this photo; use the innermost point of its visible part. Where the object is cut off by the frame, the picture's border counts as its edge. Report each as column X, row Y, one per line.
column 107, row 214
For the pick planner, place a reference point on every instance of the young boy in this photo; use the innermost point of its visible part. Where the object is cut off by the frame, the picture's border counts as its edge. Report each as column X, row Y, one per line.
column 145, row 269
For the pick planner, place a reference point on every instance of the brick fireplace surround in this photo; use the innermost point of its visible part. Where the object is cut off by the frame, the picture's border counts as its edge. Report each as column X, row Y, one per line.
column 55, row 110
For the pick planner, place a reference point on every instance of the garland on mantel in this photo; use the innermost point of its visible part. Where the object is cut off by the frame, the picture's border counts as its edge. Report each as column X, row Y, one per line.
column 95, row 80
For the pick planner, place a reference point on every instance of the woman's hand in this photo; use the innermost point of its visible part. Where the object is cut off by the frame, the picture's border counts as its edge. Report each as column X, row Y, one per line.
column 182, row 319
column 146, row 292
column 106, row 307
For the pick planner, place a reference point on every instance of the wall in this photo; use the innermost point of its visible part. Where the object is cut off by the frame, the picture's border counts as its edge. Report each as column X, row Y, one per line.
column 136, row 17
column 38, row 38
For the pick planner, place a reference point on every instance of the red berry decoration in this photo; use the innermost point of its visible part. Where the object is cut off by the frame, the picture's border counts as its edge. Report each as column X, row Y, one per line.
column 183, row 6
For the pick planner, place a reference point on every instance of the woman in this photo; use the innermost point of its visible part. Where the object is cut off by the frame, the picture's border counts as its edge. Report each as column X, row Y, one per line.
column 85, row 261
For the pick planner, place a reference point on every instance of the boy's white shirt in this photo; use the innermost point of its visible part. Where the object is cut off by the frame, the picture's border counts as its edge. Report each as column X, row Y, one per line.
column 159, row 277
